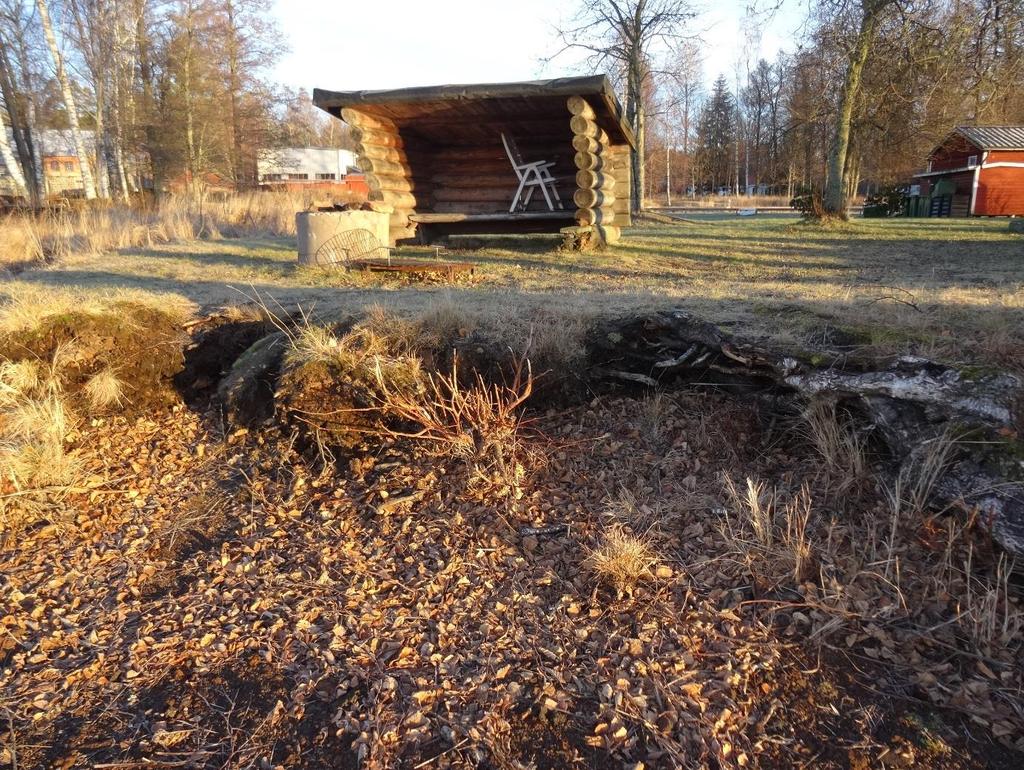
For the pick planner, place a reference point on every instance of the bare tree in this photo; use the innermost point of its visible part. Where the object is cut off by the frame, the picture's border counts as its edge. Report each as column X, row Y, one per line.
column 18, row 93
column 95, row 24
column 867, row 16
column 69, row 100
column 623, row 34
column 7, row 156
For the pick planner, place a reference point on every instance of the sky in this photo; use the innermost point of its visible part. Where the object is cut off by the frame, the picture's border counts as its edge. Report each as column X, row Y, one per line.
column 344, row 45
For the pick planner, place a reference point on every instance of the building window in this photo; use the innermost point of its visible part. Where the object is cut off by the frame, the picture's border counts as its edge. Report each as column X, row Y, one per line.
column 327, row 176
column 69, row 166
column 272, row 177
column 972, row 161
column 298, row 177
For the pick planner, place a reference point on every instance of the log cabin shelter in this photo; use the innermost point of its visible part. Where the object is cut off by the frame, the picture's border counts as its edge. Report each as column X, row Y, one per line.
column 975, row 171
column 435, row 155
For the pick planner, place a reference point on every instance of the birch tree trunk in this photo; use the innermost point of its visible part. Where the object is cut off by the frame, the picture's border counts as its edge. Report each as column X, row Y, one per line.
column 234, row 88
column 100, row 145
column 144, row 55
column 21, row 128
column 190, row 127
column 69, row 101
column 12, row 166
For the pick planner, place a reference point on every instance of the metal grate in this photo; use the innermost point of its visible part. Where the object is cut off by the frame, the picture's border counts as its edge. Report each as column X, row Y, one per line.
column 349, row 247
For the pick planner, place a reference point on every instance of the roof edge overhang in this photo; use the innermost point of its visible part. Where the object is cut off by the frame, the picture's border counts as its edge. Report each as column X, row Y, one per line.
column 981, row 146
column 592, row 85
column 945, row 172
column 955, row 132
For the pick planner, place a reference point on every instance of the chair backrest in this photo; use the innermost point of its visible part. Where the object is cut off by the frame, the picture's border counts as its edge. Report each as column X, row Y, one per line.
column 513, row 154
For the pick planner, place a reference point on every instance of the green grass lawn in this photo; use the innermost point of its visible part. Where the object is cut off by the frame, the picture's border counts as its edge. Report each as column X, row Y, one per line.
column 951, row 289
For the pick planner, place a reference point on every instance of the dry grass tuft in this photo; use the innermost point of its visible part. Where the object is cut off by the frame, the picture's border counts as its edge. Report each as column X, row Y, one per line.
column 17, row 379
column 104, row 390
column 19, row 243
column 621, row 559
column 312, row 344
column 626, row 508
column 913, row 489
column 990, row 611
column 772, row 538
column 839, row 445
column 34, row 418
column 363, row 353
column 33, row 434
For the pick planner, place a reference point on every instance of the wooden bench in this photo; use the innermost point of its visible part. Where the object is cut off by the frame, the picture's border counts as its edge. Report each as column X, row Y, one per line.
column 432, row 226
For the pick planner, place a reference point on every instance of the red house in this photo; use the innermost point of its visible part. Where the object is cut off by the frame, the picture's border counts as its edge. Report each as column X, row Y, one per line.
column 977, row 171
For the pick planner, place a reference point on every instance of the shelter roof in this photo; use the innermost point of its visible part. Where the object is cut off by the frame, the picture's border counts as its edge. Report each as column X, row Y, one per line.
column 461, row 112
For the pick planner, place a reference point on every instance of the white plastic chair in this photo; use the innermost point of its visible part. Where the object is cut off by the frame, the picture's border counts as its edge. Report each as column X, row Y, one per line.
column 531, row 176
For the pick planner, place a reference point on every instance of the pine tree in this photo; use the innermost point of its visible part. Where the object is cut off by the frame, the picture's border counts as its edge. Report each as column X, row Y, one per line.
column 716, row 135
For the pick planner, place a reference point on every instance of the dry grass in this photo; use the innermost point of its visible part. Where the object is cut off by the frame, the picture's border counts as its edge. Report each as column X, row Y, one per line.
column 104, row 390
column 911, row 492
column 771, row 537
column 26, row 304
column 621, row 559
column 898, row 560
column 313, row 344
column 99, row 228
column 838, row 443
column 948, row 289
column 19, row 243
column 33, row 454
column 17, row 378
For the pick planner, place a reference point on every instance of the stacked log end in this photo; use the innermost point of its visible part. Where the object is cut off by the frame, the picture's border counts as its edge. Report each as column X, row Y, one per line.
column 621, row 168
column 383, row 159
column 595, row 197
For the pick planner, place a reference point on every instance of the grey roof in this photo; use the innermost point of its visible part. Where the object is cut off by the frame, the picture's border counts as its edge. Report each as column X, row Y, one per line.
column 58, row 141
column 994, row 137
column 517, row 97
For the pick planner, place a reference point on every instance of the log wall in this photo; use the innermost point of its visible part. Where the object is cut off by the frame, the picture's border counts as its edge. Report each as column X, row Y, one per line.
column 471, row 173
column 479, row 179
column 385, row 159
column 599, row 193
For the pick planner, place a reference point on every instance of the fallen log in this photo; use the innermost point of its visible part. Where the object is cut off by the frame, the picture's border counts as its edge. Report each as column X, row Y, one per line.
column 907, row 402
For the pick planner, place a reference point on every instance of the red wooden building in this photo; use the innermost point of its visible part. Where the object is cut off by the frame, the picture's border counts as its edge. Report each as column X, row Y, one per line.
column 977, row 171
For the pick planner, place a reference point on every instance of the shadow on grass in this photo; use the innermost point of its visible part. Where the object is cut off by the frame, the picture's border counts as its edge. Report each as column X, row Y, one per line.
column 259, row 255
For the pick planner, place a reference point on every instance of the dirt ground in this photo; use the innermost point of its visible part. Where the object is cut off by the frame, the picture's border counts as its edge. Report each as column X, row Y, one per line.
column 236, row 604
column 681, row 579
